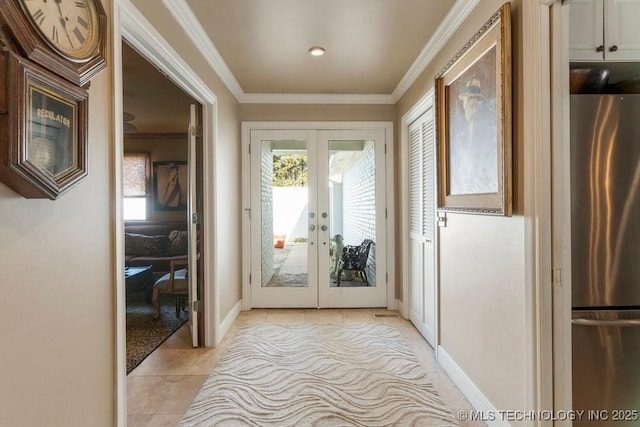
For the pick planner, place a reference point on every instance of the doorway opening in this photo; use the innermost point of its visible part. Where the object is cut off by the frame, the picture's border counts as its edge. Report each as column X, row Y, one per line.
column 163, row 188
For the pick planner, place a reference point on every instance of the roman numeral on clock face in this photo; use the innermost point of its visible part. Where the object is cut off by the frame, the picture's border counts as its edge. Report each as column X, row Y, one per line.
column 81, row 4
column 38, row 16
column 83, row 23
column 54, row 35
column 79, row 35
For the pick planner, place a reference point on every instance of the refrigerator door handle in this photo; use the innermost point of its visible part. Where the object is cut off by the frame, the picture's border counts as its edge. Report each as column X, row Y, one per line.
column 614, row 323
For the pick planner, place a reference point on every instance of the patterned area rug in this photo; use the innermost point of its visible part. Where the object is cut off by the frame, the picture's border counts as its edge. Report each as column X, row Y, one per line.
column 144, row 334
column 318, row 375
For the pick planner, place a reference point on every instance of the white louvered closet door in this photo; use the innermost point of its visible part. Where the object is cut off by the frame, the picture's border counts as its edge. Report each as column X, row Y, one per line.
column 422, row 225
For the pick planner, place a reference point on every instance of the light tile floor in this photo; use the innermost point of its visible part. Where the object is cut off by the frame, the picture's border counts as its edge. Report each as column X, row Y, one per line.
column 161, row 388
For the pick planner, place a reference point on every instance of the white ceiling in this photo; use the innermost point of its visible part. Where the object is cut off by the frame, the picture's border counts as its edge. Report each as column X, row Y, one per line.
column 375, row 49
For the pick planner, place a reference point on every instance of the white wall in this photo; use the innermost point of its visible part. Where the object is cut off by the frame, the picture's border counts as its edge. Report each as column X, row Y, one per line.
column 267, row 202
column 290, row 207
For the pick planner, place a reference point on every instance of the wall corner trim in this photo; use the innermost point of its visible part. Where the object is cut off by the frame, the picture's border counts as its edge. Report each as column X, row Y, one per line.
column 469, row 389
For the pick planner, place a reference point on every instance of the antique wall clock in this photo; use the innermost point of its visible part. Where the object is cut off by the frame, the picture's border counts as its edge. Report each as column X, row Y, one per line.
column 49, row 51
column 64, row 36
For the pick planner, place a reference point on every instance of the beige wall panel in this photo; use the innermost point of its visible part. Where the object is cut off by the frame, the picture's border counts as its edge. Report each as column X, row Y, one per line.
column 482, row 318
column 482, row 269
column 229, row 206
column 57, row 363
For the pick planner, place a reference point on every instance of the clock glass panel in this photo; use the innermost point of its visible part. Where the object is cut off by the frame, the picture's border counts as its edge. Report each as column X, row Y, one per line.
column 51, row 130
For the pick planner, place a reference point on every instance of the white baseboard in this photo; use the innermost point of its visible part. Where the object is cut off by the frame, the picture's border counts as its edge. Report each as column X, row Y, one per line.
column 228, row 321
column 478, row 400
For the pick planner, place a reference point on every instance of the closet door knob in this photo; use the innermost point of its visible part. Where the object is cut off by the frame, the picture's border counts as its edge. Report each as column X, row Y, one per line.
column 600, row 48
column 613, row 48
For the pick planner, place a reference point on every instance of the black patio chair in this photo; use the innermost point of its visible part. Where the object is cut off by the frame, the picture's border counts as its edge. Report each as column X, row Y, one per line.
column 354, row 258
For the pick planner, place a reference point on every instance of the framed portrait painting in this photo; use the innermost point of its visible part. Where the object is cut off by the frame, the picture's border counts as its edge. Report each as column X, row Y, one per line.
column 170, row 181
column 473, row 111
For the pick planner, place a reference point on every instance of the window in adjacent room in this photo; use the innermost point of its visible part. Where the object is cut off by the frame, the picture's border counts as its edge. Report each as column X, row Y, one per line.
column 135, row 167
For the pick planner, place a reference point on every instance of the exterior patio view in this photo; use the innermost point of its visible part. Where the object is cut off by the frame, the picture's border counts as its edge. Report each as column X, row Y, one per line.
column 285, row 213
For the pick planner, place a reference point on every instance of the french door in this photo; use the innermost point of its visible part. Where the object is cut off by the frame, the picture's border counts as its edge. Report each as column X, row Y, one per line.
column 313, row 193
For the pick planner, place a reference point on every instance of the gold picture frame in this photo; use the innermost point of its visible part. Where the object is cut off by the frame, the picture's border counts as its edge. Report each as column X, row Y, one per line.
column 473, row 119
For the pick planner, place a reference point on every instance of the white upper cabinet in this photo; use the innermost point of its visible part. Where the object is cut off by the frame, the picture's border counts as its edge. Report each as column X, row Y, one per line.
column 604, row 30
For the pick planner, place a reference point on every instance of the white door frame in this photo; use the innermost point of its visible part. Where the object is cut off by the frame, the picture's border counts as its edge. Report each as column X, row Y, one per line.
column 128, row 23
column 536, row 172
column 247, row 127
column 561, row 212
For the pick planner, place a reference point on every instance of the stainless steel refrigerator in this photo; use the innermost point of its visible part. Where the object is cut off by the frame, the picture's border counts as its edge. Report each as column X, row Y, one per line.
column 605, row 246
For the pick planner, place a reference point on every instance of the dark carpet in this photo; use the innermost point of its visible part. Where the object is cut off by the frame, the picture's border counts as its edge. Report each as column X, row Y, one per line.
column 144, row 333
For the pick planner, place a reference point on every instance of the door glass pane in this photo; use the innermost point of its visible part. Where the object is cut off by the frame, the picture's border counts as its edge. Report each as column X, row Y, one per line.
column 352, row 213
column 284, row 196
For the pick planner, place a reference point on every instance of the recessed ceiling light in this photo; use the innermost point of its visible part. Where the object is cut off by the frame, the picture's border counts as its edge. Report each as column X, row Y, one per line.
column 316, row 51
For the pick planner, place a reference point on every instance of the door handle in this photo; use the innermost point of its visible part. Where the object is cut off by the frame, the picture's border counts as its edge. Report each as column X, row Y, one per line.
column 618, row 323
column 312, row 227
column 323, row 228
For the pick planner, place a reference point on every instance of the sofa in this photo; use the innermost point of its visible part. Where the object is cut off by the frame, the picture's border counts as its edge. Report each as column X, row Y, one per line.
column 155, row 244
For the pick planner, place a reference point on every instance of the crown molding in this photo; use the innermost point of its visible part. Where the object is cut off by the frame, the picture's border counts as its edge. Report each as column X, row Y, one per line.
column 185, row 17
column 315, row 98
column 144, row 38
column 456, row 16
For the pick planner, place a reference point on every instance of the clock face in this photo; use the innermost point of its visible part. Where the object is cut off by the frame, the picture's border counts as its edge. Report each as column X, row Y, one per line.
column 69, row 26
